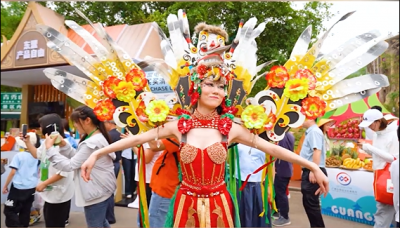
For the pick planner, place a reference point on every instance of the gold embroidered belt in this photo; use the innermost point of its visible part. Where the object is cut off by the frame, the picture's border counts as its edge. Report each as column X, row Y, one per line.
column 203, row 191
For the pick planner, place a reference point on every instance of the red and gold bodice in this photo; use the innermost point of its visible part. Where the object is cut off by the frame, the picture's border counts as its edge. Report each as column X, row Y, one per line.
column 204, row 167
column 203, row 199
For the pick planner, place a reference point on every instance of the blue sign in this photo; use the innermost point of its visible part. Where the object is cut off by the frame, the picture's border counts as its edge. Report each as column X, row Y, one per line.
column 351, row 196
column 157, row 83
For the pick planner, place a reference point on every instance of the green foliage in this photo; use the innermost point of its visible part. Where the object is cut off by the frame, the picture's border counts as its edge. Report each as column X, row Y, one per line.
column 298, row 133
column 389, row 65
column 284, row 26
column 5, row 88
column 360, row 72
column 11, row 15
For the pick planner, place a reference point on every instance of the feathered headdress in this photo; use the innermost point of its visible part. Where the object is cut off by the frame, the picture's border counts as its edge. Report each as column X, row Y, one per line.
column 305, row 87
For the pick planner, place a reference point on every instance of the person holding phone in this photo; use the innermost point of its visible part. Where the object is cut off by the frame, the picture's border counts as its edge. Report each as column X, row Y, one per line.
column 93, row 196
column 56, row 187
column 23, row 178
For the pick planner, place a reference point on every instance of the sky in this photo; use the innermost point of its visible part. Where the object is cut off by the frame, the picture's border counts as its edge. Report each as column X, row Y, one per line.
column 369, row 15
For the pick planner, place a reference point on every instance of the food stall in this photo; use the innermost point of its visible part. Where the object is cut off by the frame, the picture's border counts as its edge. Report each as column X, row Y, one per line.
column 351, row 193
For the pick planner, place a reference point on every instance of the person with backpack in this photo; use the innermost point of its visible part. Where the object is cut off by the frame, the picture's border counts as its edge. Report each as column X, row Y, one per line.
column 164, row 180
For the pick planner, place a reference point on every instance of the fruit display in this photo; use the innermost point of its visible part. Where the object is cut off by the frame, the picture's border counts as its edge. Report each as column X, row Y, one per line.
column 349, row 152
column 334, row 159
column 333, row 162
column 368, row 165
column 350, row 163
column 346, row 130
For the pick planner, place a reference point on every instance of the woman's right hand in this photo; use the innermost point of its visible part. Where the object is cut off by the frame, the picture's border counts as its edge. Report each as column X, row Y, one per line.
column 323, row 182
column 5, row 190
column 87, row 167
column 25, row 139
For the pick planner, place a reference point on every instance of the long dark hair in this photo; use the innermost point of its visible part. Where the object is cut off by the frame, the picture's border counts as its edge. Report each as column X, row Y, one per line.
column 383, row 124
column 47, row 122
column 37, row 144
column 83, row 112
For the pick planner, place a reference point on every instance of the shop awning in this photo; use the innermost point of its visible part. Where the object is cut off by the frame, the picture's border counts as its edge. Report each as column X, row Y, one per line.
column 10, row 115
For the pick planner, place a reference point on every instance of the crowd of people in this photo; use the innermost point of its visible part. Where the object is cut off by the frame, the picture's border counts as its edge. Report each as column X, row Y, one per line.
column 53, row 170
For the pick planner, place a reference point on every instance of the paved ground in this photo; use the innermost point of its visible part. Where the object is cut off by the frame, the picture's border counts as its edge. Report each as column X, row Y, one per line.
column 126, row 217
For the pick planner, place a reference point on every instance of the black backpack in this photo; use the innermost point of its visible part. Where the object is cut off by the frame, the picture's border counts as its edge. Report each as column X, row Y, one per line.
column 166, row 154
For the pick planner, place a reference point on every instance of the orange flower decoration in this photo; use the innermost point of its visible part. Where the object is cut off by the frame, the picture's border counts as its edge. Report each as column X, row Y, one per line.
column 277, row 77
column 140, row 112
column 307, row 74
column 138, row 78
column 270, row 122
column 104, row 110
column 109, row 86
column 313, row 107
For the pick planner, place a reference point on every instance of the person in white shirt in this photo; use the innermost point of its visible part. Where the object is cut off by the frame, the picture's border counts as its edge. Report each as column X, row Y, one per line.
column 56, row 187
column 394, row 173
column 370, row 134
column 385, row 147
column 392, row 121
column 150, row 159
column 128, row 165
column 93, row 196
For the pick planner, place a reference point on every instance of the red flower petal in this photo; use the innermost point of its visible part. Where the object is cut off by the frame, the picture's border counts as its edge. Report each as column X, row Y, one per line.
column 225, row 125
column 104, row 110
column 109, row 84
column 202, row 69
column 277, row 77
column 184, row 125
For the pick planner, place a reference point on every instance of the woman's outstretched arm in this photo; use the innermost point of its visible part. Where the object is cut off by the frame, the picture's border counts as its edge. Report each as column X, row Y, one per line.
column 168, row 130
column 242, row 135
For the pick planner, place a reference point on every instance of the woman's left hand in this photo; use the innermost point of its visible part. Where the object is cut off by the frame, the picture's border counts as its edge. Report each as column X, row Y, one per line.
column 49, row 142
column 40, row 187
column 323, row 182
column 87, row 167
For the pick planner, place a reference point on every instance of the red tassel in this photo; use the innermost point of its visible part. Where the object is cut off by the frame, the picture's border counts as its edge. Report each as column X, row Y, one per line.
column 256, row 171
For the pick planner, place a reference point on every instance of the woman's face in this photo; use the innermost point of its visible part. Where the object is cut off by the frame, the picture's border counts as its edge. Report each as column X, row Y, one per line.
column 327, row 126
column 375, row 125
column 212, row 93
column 79, row 126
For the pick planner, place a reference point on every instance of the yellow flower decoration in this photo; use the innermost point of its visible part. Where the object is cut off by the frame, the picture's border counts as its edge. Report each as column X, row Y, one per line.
column 157, row 111
column 296, row 89
column 125, row 91
column 254, row 117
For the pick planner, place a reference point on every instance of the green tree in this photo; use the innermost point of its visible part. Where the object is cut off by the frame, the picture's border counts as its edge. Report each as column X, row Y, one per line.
column 5, row 88
column 11, row 15
column 284, row 26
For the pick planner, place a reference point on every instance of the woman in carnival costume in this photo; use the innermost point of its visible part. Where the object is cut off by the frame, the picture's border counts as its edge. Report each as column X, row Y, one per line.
column 210, row 80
